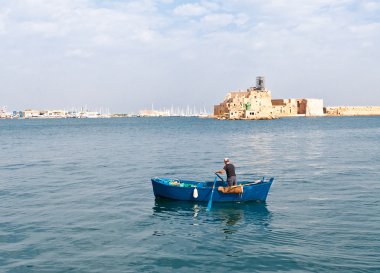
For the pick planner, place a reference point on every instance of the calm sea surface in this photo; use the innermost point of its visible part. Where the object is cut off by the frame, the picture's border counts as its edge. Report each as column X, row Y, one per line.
column 76, row 196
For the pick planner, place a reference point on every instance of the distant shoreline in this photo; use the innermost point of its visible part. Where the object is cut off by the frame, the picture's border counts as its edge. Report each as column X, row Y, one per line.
column 210, row 117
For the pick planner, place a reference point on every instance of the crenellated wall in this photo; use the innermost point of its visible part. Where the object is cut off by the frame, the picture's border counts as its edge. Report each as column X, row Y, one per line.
column 352, row 111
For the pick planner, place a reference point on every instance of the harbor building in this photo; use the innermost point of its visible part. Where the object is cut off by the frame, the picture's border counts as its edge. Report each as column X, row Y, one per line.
column 4, row 112
column 257, row 103
column 298, row 107
column 31, row 113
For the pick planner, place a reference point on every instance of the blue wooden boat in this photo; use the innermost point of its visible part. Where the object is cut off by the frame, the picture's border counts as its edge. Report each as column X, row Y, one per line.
column 186, row 190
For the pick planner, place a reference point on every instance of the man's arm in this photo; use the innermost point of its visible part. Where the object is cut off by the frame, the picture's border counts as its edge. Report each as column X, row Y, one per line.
column 221, row 171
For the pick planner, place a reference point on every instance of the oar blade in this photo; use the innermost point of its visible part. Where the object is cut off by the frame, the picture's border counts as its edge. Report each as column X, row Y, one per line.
column 209, row 205
column 212, row 193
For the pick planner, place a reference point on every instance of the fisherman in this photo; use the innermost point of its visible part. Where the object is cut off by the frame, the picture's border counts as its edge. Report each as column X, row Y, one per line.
column 229, row 169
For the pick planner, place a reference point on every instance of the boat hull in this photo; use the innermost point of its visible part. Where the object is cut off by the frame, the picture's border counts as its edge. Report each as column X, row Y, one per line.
column 184, row 190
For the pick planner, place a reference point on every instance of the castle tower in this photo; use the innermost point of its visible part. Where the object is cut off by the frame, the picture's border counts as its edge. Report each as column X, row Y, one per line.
column 260, row 83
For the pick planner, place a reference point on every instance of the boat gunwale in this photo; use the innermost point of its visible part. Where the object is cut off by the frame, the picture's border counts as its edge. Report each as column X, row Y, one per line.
column 207, row 184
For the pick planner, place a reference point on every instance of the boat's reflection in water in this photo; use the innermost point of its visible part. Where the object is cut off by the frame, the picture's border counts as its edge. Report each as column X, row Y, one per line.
column 231, row 215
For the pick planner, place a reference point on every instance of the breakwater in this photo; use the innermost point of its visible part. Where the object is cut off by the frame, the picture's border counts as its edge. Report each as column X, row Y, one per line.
column 352, row 111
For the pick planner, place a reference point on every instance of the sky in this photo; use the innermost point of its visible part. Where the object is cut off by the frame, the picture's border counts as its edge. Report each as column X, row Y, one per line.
column 127, row 55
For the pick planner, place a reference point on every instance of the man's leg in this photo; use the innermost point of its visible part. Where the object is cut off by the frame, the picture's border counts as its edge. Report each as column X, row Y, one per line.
column 234, row 180
column 230, row 182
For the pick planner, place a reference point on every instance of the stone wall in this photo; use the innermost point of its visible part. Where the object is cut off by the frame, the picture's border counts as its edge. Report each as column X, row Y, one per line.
column 284, row 107
column 352, row 111
column 296, row 107
column 314, row 107
column 258, row 105
column 250, row 104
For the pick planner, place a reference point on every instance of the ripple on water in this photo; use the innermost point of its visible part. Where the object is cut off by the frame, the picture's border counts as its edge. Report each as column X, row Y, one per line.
column 83, row 201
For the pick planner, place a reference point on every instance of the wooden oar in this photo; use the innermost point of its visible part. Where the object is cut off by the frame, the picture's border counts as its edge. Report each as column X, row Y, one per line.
column 212, row 193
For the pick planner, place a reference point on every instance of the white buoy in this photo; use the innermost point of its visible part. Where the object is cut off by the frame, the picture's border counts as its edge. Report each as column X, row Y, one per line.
column 195, row 193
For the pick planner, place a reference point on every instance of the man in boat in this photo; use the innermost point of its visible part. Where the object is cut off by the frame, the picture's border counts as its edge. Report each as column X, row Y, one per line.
column 229, row 169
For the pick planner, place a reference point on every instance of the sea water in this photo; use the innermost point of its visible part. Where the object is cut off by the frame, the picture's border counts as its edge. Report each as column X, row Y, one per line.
column 76, row 196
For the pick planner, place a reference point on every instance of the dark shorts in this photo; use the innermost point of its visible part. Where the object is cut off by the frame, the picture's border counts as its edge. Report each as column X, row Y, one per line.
column 231, row 181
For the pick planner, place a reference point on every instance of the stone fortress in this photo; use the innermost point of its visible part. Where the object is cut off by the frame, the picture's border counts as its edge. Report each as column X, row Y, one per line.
column 257, row 103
